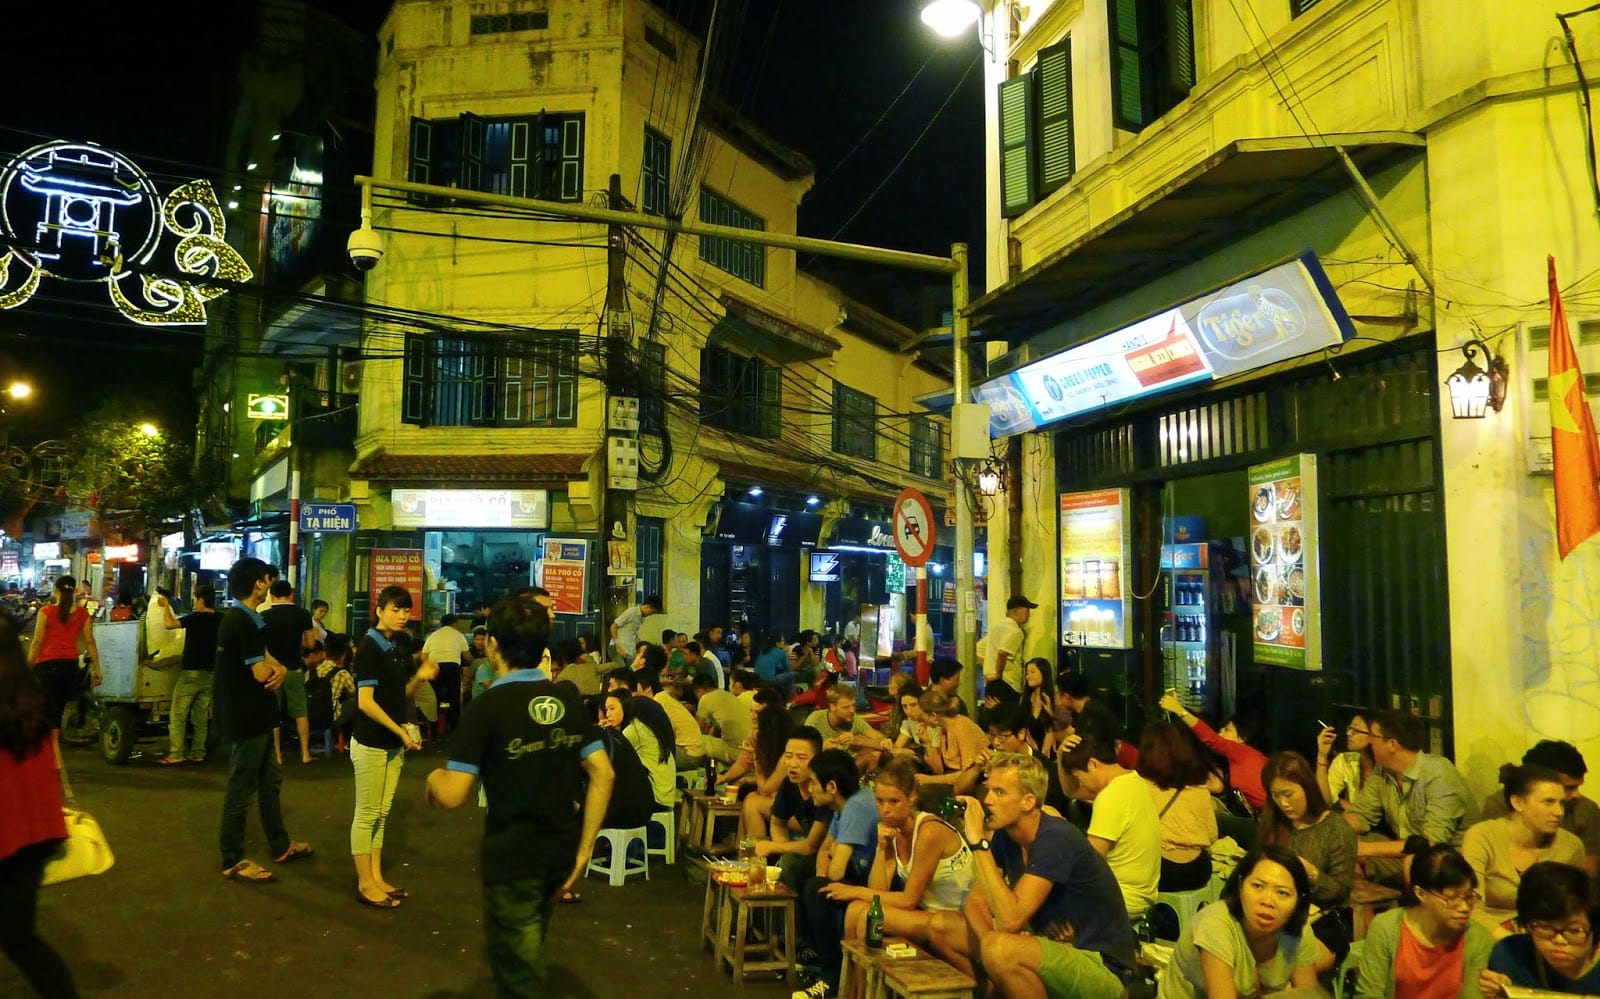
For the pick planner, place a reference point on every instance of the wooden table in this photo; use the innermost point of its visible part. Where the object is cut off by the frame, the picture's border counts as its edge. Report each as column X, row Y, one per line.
column 857, row 957
column 1367, row 899
column 733, row 927
column 701, row 818
column 925, row 978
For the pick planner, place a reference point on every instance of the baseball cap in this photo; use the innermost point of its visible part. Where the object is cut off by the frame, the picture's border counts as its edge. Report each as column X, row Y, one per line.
column 1020, row 601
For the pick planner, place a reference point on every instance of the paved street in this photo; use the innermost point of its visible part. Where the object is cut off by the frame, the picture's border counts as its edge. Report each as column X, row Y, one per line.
column 163, row 923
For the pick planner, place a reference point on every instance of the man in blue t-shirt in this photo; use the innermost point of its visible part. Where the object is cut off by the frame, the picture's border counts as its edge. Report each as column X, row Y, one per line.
column 1044, row 907
column 844, row 858
column 533, row 744
column 772, row 666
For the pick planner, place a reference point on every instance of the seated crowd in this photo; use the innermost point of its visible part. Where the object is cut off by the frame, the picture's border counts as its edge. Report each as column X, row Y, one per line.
column 1026, row 841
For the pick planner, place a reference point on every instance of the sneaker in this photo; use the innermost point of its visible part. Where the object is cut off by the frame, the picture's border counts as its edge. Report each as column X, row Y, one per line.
column 808, row 955
column 819, row 990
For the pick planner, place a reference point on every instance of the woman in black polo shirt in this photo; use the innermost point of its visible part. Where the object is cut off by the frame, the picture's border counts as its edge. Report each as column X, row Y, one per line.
column 384, row 682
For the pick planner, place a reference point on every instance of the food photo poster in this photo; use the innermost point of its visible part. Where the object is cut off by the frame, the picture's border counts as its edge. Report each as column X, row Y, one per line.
column 1285, row 600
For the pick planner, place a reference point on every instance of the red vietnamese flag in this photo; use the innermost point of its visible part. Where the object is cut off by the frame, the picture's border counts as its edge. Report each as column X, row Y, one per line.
column 1576, row 454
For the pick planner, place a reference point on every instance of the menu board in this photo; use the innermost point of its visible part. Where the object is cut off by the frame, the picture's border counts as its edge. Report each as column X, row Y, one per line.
column 397, row 567
column 1285, row 599
column 1095, row 601
column 563, row 572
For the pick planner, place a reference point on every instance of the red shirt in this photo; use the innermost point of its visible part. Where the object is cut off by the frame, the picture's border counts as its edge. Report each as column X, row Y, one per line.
column 32, row 795
column 1245, row 763
column 60, row 639
column 1423, row 972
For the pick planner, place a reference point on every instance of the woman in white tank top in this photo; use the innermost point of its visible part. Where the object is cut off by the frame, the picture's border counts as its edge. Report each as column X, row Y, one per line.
column 933, row 866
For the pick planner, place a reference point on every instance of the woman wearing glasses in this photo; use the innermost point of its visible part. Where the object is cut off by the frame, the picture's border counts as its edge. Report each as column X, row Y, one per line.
column 1558, row 907
column 1431, row 947
column 1499, row 850
column 1340, row 775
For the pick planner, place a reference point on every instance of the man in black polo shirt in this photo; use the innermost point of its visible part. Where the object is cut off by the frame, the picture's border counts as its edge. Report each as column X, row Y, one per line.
column 246, row 701
column 795, row 829
column 191, row 697
column 290, row 632
column 532, row 743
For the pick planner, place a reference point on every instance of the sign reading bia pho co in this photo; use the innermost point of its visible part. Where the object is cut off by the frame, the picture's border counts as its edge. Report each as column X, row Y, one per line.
column 82, row 213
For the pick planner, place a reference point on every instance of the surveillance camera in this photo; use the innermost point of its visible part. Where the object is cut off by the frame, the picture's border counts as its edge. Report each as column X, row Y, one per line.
column 365, row 247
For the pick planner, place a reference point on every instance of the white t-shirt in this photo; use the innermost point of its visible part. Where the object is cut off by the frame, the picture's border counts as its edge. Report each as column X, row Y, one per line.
column 447, row 645
column 628, row 624
column 1005, row 636
column 1125, row 815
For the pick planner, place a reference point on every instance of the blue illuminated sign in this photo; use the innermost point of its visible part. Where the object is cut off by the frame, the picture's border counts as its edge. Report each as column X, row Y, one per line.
column 79, row 212
column 334, row 518
column 1279, row 313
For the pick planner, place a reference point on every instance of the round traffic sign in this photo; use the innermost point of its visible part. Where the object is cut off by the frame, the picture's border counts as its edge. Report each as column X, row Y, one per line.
column 913, row 527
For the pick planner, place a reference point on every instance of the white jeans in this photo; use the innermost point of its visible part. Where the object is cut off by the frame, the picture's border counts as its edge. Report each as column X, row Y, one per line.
column 377, row 777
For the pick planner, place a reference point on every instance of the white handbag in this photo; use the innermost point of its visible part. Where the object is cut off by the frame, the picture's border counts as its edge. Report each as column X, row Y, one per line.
column 84, row 852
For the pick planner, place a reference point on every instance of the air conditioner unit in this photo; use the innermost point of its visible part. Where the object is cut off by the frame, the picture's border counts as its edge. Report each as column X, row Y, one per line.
column 1534, row 382
column 350, row 377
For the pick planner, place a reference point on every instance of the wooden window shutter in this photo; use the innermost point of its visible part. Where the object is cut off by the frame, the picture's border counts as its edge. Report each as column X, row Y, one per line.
column 770, row 423
column 1180, row 48
column 571, row 183
column 1128, row 106
column 1017, row 179
column 472, row 133
column 414, row 391
column 1054, row 73
column 419, row 169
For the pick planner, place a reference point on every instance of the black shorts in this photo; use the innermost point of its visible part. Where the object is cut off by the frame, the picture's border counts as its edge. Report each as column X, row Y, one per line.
column 60, row 678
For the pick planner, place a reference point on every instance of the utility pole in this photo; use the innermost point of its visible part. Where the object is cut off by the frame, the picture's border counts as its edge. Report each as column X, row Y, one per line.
column 615, row 504
column 963, row 413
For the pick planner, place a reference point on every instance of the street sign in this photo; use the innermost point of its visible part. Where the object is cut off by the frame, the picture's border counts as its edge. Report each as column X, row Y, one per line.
column 914, row 528
column 334, row 518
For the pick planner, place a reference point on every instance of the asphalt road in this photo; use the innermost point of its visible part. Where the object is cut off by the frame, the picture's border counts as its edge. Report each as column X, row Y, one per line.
column 163, row 922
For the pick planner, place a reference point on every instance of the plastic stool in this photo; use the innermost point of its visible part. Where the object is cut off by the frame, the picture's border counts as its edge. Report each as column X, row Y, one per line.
column 668, row 821
column 619, row 866
column 1186, row 904
column 1351, row 962
column 326, row 737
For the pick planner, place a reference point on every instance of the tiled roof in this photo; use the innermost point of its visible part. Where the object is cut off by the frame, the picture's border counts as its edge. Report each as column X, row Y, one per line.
column 558, row 466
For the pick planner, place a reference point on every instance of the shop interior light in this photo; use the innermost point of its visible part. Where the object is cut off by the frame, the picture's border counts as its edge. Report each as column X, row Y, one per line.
column 755, row 490
column 1474, row 390
column 813, row 500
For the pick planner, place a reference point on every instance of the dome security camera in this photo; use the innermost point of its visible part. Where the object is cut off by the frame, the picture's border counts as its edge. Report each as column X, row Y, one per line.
column 365, row 247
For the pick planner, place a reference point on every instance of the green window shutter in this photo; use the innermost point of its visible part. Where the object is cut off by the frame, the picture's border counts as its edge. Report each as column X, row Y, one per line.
column 1054, row 73
column 1128, row 107
column 419, row 169
column 571, row 178
column 1180, row 48
column 472, row 133
column 1298, row 7
column 520, row 157
column 414, row 392
column 1017, row 180
column 770, row 420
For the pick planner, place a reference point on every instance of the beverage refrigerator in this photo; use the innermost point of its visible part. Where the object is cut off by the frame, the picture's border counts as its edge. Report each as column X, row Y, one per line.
column 1198, row 653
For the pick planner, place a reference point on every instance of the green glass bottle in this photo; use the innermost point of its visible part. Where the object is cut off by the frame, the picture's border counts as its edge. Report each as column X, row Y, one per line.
column 875, row 924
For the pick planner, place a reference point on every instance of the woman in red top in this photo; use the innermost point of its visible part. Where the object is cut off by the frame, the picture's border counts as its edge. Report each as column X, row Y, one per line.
column 30, row 822
column 1245, row 762
column 58, row 630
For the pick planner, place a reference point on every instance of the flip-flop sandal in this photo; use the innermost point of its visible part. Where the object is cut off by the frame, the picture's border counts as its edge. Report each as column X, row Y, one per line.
column 398, row 893
column 249, row 872
column 296, row 851
column 386, row 903
column 168, row 761
column 570, row 897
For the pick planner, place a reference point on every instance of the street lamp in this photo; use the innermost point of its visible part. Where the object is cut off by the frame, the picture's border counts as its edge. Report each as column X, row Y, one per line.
column 150, row 430
column 951, row 17
column 19, row 390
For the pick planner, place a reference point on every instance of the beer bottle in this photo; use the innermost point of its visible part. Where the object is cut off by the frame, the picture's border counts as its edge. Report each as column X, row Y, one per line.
column 875, row 924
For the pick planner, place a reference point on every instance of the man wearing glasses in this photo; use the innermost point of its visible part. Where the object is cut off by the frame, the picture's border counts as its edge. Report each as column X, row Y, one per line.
column 1418, row 797
column 1579, row 815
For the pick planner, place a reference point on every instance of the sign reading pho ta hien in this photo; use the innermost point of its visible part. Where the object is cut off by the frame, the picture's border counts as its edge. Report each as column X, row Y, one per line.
column 1285, row 585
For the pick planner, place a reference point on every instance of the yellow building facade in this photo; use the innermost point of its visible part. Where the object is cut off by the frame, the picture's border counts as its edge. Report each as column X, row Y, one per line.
column 512, row 331
column 1166, row 148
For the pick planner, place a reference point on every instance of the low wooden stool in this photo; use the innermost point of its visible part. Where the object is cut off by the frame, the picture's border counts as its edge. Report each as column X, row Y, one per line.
column 701, row 816
column 1367, row 899
column 733, row 927
column 711, row 910
column 870, row 962
column 925, row 978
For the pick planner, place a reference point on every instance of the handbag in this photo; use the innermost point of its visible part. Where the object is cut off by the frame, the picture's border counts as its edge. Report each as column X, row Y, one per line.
column 84, row 852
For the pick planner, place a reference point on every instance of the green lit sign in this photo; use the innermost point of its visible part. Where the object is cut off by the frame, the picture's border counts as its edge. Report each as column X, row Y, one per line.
column 896, row 581
column 268, row 407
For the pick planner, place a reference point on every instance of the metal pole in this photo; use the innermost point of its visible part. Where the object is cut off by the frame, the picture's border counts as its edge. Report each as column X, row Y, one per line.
column 922, row 641
column 966, row 597
column 759, row 237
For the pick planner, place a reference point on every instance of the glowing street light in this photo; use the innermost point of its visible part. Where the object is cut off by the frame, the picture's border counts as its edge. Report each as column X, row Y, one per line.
column 951, row 17
column 19, row 390
column 150, row 430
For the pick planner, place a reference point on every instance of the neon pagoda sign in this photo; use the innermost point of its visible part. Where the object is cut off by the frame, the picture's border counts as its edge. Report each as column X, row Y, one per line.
column 79, row 212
